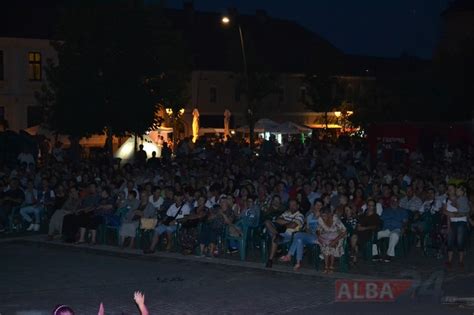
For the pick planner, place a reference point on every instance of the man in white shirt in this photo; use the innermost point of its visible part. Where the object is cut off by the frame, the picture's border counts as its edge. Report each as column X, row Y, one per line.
column 169, row 225
column 282, row 229
column 156, row 199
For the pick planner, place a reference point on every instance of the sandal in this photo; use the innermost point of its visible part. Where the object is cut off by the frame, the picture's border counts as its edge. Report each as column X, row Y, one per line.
column 285, row 258
column 297, row 267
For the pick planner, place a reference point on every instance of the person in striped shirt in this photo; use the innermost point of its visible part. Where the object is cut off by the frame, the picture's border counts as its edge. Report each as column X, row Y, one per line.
column 283, row 227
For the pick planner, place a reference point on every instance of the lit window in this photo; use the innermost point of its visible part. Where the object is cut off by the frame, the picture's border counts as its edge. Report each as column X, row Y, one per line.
column 34, row 66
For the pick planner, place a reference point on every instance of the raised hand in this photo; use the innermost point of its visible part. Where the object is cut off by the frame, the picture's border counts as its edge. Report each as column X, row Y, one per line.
column 139, row 298
column 101, row 309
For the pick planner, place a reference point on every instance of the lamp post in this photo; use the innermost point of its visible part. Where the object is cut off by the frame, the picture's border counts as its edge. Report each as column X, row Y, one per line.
column 174, row 116
column 226, row 20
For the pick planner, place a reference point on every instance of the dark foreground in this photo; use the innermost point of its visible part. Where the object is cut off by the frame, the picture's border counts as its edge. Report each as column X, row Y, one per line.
column 34, row 278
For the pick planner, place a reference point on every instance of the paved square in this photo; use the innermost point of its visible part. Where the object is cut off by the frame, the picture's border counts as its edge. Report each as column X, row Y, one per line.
column 37, row 278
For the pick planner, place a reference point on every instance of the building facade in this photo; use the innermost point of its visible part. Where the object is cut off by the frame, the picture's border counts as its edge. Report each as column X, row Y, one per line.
column 22, row 62
column 284, row 46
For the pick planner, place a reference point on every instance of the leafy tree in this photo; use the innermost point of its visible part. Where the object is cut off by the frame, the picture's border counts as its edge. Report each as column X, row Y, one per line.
column 323, row 93
column 112, row 72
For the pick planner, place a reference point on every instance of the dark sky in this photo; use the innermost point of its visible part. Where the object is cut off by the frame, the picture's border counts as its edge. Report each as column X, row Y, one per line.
column 369, row 27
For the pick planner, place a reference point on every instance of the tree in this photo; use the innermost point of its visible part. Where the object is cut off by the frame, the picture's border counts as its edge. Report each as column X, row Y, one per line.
column 323, row 96
column 260, row 86
column 112, row 71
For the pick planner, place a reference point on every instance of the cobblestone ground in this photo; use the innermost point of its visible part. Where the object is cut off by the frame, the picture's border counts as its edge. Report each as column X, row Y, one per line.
column 35, row 278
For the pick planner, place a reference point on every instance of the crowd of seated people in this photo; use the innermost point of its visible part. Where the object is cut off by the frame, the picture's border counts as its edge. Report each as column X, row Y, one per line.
column 313, row 194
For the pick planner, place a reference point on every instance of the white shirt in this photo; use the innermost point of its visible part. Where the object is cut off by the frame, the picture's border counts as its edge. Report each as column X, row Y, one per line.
column 135, row 190
column 156, row 203
column 211, row 202
column 451, row 208
column 173, row 210
column 378, row 208
column 432, row 206
column 26, row 158
column 312, row 196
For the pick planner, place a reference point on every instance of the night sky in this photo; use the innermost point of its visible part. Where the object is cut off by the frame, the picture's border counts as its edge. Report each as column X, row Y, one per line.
column 367, row 27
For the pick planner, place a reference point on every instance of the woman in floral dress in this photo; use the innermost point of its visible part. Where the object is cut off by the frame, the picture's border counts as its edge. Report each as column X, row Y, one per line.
column 331, row 233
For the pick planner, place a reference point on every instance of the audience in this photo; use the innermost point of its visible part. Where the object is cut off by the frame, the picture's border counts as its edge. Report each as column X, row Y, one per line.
column 315, row 194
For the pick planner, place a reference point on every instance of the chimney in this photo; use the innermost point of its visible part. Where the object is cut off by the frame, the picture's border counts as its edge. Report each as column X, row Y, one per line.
column 261, row 15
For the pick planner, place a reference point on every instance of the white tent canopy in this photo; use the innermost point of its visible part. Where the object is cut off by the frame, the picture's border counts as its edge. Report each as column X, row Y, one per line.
column 268, row 125
column 262, row 125
column 290, row 128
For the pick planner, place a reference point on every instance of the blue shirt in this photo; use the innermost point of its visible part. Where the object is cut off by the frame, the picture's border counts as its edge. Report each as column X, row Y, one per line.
column 312, row 222
column 393, row 218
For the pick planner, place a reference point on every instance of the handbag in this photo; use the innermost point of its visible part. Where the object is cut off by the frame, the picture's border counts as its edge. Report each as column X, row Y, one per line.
column 191, row 223
column 169, row 219
column 148, row 224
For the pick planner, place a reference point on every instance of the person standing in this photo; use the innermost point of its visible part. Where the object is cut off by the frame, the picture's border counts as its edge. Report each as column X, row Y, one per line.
column 456, row 209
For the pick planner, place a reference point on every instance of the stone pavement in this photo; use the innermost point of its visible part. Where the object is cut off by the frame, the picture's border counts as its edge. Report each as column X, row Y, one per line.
column 37, row 275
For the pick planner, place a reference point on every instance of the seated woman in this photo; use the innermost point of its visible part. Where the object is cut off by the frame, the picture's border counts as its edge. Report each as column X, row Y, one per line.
column 189, row 226
column 90, row 220
column 369, row 223
column 349, row 219
column 71, row 205
column 214, row 225
column 136, row 210
column 331, row 233
column 308, row 237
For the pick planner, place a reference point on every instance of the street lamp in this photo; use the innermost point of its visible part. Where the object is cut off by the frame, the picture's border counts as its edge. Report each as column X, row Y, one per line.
column 226, row 20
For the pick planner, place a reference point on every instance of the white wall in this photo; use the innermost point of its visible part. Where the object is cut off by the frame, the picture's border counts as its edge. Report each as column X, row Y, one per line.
column 16, row 90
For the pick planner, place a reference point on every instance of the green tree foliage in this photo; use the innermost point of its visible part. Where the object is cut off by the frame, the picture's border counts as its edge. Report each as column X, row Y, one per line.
column 323, row 93
column 260, row 86
column 115, row 66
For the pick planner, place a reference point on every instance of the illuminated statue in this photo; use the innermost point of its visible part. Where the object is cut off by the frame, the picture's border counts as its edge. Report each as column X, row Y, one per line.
column 195, row 124
column 227, row 115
